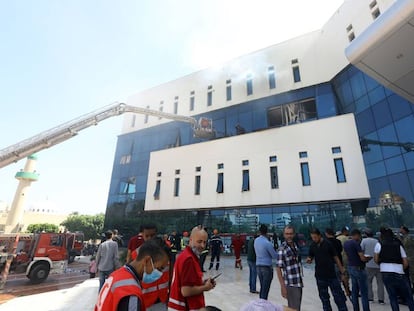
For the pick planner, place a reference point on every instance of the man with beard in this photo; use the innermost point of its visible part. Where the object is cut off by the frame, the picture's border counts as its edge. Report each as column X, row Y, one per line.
column 289, row 270
column 187, row 285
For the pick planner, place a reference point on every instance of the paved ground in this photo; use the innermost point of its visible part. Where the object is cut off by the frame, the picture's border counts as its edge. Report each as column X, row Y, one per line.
column 230, row 294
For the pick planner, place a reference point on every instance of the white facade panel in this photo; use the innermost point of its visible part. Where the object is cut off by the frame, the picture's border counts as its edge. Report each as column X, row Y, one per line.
column 319, row 54
column 317, row 138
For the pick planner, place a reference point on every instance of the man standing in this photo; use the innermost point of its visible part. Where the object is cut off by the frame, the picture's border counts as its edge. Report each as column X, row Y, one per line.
column 107, row 258
column 391, row 257
column 122, row 291
column 149, row 231
column 251, row 261
column 175, row 246
column 325, row 258
column 408, row 244
column 187, row 285
column 237, row 245
column 133, row 243
column 373, row 270
column 356, row 269
column 289, row 270
column 264, row 255
column 215, row 246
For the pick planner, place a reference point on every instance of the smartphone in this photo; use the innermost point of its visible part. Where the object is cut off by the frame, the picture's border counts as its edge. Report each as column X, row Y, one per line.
column 216, row 276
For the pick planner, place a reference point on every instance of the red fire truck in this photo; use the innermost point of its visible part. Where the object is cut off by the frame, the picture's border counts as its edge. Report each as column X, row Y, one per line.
column 38, row 254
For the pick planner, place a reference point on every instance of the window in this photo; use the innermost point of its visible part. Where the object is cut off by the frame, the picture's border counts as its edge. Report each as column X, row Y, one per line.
column 198, row 168
column 296, row 74
column 220, row 166
column 249, row 84
column 125, row 159
column 210, row 95
column 336, row 150
column 303, row 154
column 245, row 162
column 158, row 174
column 176, row 187
column 177, row 172
column 351, row 36
column 176, row 105
column 274, row 179
column 161, row 109
column 127, row 186
column 350, row 32
column 340, row 171
column 197, row 185
column 146, row 116
column 272, row 158
column 157, row 190
column 271, row 76
column 228, row 90
column 375, row 13
column 292, row 113
column 246, row 181
column 220, row 183
column 192, row 101
column 304, row 167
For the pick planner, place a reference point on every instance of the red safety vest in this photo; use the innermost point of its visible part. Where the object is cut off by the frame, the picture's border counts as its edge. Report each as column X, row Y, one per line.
column 177, row 302
column 158, row 290
column 118, row 285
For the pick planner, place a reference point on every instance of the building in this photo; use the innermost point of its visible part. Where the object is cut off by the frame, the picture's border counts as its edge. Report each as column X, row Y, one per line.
column 317, row 127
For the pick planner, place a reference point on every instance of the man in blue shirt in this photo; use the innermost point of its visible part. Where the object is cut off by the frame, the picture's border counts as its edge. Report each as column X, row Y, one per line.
column 356, row 269
column 265, row 253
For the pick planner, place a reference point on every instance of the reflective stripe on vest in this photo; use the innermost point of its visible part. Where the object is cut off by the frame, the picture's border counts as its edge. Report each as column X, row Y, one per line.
column 120, row 283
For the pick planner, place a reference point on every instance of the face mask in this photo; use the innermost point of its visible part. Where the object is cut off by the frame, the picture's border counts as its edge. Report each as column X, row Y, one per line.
column 153, row 276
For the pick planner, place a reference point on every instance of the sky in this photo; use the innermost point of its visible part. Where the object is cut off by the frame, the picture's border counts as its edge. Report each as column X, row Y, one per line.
column 60, row 60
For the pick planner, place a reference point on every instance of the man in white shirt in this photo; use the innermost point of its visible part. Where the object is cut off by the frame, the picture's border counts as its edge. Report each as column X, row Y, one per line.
column 391, row 257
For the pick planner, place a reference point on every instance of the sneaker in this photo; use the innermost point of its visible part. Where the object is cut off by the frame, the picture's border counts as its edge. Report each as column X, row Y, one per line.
column 381, row 302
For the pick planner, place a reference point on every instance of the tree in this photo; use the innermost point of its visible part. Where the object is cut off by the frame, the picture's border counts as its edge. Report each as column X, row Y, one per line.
column 90, row 225
column 34, row 228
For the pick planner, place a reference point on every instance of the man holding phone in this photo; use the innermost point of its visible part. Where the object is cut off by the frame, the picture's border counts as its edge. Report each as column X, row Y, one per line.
column 187, row 285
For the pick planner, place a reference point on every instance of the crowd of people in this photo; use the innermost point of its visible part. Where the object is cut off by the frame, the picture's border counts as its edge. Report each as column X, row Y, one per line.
column 166, row 272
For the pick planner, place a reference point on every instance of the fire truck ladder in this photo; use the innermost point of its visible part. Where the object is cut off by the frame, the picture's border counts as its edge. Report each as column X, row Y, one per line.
column 65, row 131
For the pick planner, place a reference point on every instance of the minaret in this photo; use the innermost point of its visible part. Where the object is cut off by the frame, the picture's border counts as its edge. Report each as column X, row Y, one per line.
column 25, row 177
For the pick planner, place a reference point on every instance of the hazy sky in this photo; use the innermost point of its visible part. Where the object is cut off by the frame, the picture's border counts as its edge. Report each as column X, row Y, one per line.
column 62, row 59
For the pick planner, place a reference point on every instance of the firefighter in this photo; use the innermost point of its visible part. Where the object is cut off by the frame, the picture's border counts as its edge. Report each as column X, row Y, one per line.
column 123, row 289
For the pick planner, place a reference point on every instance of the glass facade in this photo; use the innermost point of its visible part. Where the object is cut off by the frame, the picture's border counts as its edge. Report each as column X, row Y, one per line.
column 385, row 124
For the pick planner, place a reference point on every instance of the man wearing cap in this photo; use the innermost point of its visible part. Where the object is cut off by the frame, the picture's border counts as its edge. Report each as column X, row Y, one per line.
column 107, row 258
column 356, row 269
column 373, row 270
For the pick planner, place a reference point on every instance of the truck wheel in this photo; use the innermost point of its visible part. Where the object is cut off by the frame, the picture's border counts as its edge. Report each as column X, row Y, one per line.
column 39, row 273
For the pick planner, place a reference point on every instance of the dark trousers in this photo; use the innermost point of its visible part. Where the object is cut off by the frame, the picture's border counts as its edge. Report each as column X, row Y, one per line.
column 359, row 285
column 215, row 255
column 338, row 294
column 265, row 274
column 252, row 275
column 398, row 284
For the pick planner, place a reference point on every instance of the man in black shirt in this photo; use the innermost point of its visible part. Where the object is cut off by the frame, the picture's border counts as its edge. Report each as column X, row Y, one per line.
column 330, row 236
column 325, row 257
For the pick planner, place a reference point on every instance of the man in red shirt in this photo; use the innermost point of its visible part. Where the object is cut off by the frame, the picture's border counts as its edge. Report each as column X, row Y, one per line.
column 147, row 232
column 187, row 286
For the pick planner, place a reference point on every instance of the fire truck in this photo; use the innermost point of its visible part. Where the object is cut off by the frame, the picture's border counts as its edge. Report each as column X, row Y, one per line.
column 38, row 254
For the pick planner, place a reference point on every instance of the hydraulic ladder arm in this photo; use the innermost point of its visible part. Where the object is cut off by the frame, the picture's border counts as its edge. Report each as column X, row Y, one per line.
column 69, row 129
